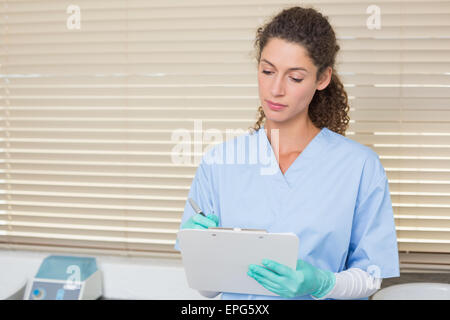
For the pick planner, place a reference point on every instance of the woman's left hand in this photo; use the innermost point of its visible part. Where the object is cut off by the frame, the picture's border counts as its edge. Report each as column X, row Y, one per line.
column 289, row 283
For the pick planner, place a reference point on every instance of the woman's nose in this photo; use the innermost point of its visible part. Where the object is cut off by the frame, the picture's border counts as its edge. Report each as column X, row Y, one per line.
column 278, row 87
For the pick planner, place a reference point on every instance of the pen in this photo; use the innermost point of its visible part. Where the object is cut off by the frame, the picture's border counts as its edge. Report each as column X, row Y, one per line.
column 196, row 207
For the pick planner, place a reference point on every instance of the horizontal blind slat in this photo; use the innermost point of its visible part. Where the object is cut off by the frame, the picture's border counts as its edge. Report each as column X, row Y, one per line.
column 24, row 6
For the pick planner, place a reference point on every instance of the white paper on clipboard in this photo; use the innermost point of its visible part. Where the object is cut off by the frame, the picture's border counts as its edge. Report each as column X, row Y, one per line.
column 218, row 260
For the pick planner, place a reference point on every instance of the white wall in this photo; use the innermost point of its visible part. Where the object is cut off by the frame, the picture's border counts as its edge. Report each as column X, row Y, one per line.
column 123, row 278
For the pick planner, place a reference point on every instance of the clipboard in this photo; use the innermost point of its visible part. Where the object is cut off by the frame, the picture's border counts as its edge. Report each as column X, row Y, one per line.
column 217, row 259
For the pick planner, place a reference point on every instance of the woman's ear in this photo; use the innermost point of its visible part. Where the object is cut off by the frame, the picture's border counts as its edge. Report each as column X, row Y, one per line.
column 325, row 79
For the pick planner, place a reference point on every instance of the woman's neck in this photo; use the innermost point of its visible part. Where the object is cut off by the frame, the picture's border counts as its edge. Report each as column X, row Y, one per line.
column 292, row 137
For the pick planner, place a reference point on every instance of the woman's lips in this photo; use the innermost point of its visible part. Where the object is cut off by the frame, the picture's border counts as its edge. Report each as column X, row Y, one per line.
column 275, row 106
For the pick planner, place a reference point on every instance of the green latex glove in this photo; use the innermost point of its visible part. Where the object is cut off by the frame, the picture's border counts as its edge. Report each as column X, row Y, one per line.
column 199, row 221
column 289, row 283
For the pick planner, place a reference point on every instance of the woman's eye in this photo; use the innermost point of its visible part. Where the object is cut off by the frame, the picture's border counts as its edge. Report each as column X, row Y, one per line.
column 293, row 79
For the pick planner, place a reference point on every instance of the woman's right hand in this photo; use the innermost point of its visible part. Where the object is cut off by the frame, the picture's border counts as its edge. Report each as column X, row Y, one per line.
column 199, row 221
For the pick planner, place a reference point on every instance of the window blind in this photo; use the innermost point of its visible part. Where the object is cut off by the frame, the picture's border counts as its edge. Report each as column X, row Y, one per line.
column 92, row 92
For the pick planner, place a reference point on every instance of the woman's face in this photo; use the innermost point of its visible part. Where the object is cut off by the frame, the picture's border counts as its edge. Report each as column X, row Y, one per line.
column 287, row 76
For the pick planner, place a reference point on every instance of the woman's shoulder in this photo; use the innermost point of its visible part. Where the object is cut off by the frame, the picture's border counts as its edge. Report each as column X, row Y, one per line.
column 349, row 146
column 357, row 155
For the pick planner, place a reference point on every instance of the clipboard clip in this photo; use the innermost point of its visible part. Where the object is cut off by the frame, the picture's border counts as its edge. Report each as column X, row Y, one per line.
column 238, row 229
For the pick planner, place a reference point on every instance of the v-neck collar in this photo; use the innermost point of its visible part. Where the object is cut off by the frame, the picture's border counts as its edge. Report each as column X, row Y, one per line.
column 289, row 178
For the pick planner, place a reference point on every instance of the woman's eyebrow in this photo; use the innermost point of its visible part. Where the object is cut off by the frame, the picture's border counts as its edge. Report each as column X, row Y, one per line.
column 296, row 68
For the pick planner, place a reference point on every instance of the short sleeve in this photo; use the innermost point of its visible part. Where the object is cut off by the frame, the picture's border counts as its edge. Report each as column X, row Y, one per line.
column 201, row 192
column 373, row 243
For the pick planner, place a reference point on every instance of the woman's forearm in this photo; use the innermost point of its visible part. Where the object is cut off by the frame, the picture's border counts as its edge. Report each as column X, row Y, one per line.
column 354, row 283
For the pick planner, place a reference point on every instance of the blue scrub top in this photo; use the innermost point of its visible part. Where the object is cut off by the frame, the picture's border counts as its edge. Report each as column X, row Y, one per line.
column 334, row 197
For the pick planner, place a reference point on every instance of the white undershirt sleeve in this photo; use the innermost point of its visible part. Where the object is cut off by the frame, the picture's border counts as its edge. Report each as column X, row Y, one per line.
column 353, row 283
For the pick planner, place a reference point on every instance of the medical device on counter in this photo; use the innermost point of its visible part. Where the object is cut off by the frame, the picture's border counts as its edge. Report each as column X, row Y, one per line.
column 66, row 278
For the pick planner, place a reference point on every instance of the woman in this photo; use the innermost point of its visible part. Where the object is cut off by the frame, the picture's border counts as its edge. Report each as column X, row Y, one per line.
column 332, row 192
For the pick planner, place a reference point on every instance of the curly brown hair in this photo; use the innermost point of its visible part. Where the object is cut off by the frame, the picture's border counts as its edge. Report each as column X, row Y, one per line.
column 310, row 29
